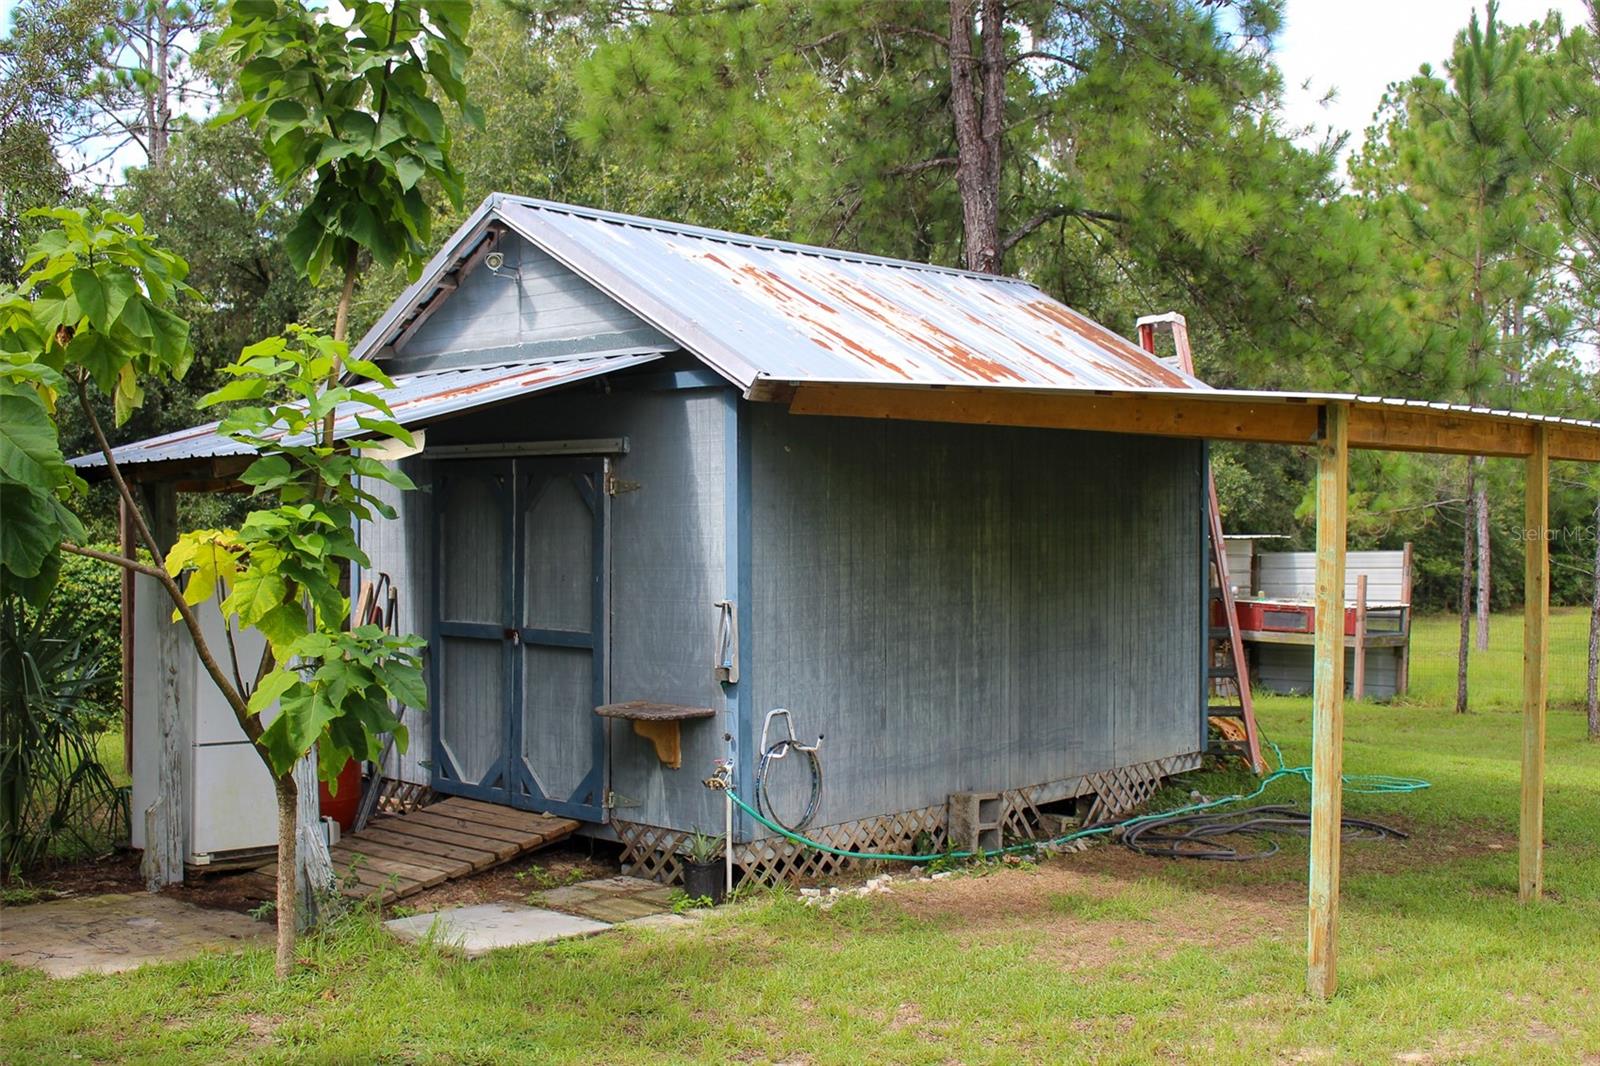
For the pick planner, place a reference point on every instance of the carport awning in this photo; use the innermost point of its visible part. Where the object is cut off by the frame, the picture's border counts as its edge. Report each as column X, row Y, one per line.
column 416, row 399
column 1375, row 422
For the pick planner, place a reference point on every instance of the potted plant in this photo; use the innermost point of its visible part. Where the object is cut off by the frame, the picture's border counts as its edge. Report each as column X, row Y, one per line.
column 703, row 875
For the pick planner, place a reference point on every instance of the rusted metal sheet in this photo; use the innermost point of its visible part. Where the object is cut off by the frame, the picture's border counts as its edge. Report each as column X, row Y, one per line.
column 754, row 308
column 416, row 399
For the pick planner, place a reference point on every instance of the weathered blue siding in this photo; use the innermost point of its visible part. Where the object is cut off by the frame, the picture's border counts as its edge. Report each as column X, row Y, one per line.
column 533, row 307
column 961, row 607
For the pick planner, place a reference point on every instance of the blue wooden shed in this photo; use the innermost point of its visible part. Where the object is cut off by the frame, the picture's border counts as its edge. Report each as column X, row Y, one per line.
column 624, row 502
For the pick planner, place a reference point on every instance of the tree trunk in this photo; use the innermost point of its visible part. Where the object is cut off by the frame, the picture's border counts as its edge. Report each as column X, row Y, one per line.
column 1469, row 528
column 979, row 125
column 1594, row 636
column 288, row 909
column 161, row 91
column 1480, row 507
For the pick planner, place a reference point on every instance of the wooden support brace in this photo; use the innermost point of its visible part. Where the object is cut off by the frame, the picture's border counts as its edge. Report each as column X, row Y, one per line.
column 666, row 737
column 1327, row 712
column 1535, row 667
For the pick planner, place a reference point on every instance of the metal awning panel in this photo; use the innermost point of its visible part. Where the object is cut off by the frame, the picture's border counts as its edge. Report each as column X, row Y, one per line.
column 416, row 399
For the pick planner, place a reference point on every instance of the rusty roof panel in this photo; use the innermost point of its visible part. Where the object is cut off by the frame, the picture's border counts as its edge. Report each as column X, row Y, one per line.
column 416, row 400
column 755, row 308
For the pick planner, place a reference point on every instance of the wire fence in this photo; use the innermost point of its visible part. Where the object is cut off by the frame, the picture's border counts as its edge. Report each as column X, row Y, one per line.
column 1494, row 674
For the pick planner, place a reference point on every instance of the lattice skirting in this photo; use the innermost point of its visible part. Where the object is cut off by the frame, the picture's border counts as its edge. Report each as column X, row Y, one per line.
column 402, row 797
column 654, row 852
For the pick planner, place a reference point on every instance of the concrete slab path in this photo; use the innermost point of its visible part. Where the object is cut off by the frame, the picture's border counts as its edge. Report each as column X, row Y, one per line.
column 108, row 934
column 486, row 926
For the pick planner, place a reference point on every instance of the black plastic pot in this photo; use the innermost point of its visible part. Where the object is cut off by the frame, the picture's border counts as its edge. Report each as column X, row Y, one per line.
column 704, row 879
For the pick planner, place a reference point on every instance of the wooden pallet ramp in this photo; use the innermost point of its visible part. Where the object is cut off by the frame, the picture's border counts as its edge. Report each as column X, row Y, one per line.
column 399, row 855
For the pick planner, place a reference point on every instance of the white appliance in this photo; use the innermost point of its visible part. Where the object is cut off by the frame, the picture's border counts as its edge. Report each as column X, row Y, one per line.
column 230, row 806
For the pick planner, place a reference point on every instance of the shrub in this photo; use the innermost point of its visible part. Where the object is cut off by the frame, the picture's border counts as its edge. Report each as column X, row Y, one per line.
column 88, row 603
column 56, row 798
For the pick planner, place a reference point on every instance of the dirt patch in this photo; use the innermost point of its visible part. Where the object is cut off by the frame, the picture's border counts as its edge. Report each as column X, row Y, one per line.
column 1091, row 909
column 118, row 872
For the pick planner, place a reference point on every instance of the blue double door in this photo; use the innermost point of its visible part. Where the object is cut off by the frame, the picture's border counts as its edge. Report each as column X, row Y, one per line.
column 519, row 642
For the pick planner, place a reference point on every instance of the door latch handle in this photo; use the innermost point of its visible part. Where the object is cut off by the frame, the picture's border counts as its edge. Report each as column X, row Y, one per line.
column 727, row 668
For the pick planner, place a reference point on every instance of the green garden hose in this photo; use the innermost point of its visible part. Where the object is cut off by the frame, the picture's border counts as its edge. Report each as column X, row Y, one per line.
column 1365, row 784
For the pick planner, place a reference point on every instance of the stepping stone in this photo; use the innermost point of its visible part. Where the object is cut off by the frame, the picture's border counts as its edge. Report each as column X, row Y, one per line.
column 568, row 895
column 620, row 885
column 486, row 926
column 618, row 908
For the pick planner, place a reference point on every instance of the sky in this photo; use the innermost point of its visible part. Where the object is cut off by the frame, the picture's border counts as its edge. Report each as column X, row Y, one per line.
column 1358, row 47
column 1354, row 47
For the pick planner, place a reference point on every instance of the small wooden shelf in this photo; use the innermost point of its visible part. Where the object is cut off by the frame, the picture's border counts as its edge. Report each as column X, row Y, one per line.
column 657, row 723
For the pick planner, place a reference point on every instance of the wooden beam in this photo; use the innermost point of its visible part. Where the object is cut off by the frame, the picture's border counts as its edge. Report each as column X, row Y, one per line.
column 1213, row 416
column 1573, row 443
column 1327, row 708
column 1402, row 681
column 1358, row 685
column 1420, row 429
column 128, row 544
column 1126, row 412
column 1535, row 666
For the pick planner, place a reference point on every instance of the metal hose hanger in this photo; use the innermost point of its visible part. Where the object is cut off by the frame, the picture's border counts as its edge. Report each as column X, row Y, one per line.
column 778, row 749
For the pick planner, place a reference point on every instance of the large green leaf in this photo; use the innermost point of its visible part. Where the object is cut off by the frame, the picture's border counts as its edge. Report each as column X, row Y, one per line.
column 30, row 452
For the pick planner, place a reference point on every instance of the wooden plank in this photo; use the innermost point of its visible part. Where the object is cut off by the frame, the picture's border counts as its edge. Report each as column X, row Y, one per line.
column 418, row 863
column 1358, row 685
column 516, row 838
column 1535, row 668
column 452, row 834
column 477, row 858
column 510, row 817
column 1327, row 709
column 651, row 711
column 372, row 876
column 360, row 890
column 385, row 867
column 1124, row 412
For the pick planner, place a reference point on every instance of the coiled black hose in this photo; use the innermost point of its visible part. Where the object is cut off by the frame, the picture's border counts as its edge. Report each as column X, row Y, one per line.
column 1202, row 834
column 764, row 801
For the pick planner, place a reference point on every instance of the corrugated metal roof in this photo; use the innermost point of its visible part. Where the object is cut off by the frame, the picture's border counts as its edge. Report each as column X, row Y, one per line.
column 416, row 400
column 754, row 308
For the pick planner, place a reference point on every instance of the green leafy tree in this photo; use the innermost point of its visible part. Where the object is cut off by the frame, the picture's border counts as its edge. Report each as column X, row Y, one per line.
column 1126, row 156
column 1454, row 176
column 354, row 114
column 93, row 314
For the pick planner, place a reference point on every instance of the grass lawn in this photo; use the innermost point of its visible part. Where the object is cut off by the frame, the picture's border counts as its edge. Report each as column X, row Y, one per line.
column 1100, row 956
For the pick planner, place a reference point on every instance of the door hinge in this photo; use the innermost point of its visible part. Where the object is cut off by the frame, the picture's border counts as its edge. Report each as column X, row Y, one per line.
column 617, row 799
column 616, row 486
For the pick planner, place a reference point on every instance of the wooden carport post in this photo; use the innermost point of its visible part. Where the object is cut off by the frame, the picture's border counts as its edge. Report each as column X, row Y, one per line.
column 1327, row 708
column 1535, row 664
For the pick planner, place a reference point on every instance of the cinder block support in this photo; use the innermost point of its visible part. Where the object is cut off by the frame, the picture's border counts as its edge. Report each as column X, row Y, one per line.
column 1327, row 708
column 975, row 820
column 1535, row 666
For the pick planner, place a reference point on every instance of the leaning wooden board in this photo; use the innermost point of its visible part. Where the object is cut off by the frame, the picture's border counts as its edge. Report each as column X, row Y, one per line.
column 398, row 855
